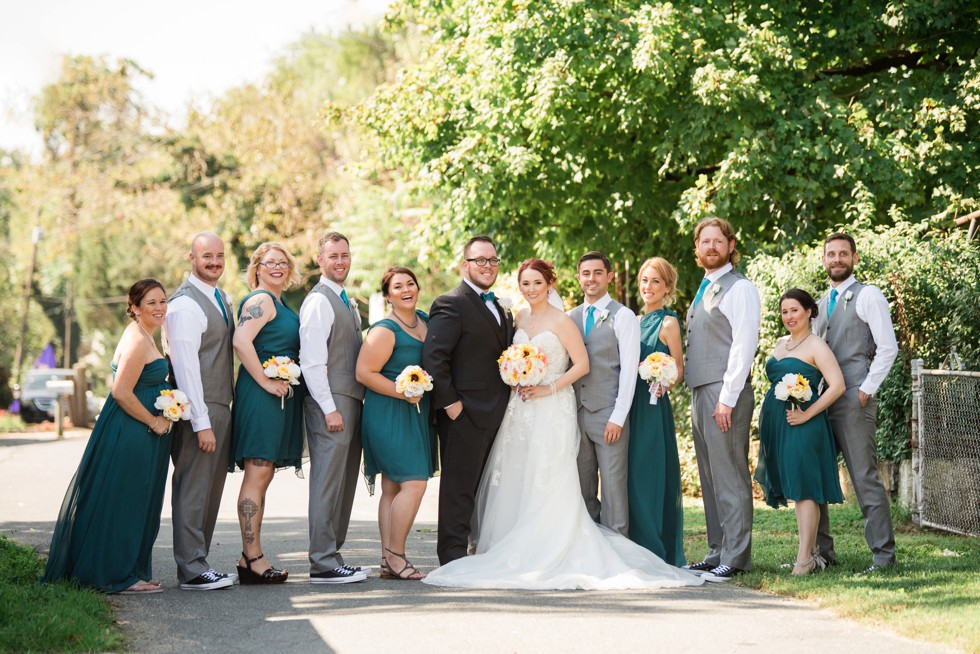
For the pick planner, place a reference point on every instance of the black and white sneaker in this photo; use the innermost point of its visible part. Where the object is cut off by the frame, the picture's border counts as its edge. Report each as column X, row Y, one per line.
column 700, row 567
column 721, row 573
column 230, row 575
column 358, row 569
column 207, row 581
column 337, row 576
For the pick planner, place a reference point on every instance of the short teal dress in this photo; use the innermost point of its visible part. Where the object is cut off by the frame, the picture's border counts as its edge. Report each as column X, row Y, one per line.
column 111, row 513
column 399, row 441
column 265, row 426
column 795, row 462
column 654, row 479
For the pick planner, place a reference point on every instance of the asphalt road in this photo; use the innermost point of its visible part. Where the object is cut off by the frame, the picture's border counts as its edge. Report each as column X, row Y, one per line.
column 400, row 616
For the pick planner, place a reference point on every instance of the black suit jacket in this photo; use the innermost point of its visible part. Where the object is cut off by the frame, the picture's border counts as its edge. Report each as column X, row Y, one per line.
column 461, row 351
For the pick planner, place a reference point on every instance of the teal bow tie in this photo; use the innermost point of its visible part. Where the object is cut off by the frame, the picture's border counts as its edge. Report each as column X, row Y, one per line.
column 488, row 296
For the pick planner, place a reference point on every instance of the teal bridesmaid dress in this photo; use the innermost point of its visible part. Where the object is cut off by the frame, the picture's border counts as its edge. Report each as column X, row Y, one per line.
column 654, row 482
column 399, row 441
column 111, row 513
column 265, row 426
column 795, row 462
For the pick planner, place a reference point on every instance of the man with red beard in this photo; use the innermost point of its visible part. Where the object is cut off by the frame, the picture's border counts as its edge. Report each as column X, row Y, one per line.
column 722, row 336
column 197, row 340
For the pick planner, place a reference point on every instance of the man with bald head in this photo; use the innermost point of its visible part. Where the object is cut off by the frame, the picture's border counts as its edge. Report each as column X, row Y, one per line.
column 197, row 340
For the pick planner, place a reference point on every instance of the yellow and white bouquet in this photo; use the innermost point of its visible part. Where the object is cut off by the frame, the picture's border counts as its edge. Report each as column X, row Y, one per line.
column 658, row 369
column 793, row 388
column 522, row 365
column 173, row 405
column 413, row 382
column 285, row 369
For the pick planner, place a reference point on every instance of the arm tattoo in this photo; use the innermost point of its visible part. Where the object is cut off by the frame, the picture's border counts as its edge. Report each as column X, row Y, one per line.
column 250, row 312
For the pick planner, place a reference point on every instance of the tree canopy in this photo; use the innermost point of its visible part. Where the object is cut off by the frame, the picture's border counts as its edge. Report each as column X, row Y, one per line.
column 563, row 125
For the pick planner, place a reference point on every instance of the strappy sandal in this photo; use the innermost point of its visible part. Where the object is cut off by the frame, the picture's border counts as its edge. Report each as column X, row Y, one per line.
column 415, row 575
column 386, row 571
column 248, row 576
column 142, row 588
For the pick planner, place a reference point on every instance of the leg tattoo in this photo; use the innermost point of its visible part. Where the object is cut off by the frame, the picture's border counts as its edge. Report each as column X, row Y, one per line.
column 246, row 509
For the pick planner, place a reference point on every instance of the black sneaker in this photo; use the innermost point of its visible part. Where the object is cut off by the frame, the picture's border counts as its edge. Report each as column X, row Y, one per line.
column 230, row 575
column 357, row 569
column 207, row 581
column 700, row 568
column 337, row 576
column 721, row 573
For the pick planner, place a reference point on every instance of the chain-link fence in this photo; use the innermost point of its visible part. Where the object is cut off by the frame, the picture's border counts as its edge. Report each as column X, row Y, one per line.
column 946, row 449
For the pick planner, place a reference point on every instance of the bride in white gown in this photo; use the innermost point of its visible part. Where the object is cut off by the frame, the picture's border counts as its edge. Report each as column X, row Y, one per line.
column 532, row 528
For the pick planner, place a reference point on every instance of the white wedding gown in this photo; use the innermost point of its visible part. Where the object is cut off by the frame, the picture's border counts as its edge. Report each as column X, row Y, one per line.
column 533, row 530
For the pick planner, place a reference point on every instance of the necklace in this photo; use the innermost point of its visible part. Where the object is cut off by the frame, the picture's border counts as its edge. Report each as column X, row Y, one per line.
column 146, row 333
column 412, row 326
column 790, row 349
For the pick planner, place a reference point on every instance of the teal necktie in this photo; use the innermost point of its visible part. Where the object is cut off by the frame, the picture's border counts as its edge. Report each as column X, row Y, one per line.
column 343, row 296
column 221, row 305
column 589, row 320
column 704, row 284
column 832, row 303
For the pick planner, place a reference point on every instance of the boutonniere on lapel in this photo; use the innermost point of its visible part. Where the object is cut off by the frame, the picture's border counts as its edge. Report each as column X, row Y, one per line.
column 847, row 296
column 353, row 304
column 505, row 303
column 602, row 316
column 714, row 290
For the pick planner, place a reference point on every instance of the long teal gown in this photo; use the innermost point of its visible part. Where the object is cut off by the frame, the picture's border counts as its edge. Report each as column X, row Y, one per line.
column 399, row 442
column 654, row 481
column 265, row 426
column 111, row 513
column 795, row 462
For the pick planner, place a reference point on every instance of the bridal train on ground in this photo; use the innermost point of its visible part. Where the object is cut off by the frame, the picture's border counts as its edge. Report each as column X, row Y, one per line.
column 533, row 530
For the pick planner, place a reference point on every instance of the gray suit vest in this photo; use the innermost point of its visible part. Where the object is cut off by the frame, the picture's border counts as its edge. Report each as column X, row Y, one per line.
column 848, row 336
column 598, row 389
column 216, row 354
column 343, row 345
column 709, row 335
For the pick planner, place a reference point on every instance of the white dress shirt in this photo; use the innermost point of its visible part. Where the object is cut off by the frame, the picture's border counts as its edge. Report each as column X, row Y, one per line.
column 490, row 305
column 742, row 307
column 627, row 330
column 872, row 308
column 316, row 318
column 182, row 331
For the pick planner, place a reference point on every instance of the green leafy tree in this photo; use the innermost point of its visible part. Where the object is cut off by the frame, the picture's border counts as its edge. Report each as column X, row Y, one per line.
column 563, row 126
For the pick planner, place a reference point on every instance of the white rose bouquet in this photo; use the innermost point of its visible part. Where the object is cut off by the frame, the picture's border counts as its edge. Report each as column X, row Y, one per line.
column 285, row 369
column 793, row 388
column 173, row 405
column 658, row 369
column 413, row 381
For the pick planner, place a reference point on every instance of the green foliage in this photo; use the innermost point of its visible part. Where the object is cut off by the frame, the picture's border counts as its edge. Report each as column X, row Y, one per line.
column 932, row 309
column 50, row 617
column 566, row 126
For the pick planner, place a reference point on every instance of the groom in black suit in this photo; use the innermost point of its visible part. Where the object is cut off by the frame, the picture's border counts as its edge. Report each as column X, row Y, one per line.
column 468, row 330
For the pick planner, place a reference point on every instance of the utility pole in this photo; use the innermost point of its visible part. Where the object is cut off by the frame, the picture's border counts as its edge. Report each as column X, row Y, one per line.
column 36, row 236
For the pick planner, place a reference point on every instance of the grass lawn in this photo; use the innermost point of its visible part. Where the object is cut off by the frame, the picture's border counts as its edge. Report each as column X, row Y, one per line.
column 10, row 422
column 932, row 594
column 51, row 617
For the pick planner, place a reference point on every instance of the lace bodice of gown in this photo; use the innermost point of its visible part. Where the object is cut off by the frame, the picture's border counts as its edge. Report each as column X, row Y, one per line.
column 550, row 345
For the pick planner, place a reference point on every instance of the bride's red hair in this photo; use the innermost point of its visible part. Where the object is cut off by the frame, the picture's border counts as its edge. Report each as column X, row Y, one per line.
column 546, row 269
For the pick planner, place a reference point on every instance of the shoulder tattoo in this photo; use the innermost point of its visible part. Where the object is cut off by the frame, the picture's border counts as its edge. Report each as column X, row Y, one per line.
column 250, row 312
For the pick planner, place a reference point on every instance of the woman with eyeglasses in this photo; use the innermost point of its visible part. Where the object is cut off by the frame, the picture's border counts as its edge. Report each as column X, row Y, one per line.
column 268, row 412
